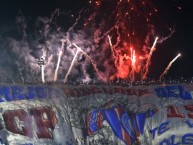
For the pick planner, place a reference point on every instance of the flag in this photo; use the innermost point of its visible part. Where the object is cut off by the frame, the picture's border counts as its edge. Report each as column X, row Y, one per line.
column 94, row 121
column 120, row 123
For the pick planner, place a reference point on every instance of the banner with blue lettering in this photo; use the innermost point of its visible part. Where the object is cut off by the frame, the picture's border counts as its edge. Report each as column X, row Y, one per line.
column 92, row 115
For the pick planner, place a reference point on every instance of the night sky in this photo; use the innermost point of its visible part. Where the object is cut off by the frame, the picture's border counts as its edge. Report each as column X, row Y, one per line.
column 181, row 41
column 171, row 14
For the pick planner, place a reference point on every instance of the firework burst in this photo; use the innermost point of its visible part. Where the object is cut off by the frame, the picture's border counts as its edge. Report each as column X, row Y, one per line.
column 106, row 40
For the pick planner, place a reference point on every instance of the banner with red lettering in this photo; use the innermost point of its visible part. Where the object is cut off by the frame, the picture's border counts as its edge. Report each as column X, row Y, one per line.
column 92, row 115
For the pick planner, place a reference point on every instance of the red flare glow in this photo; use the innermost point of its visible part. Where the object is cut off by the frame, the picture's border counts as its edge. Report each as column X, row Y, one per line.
column 126, row 65
column 97, row 2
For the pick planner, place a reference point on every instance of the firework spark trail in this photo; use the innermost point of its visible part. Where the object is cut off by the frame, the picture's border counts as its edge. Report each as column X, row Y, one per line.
column 105, row 34
column 92, row 62
column 59, row 60
column 98, row 38
column 42, row 65
column 133, row 62
column 111, row 46
column 43, row 76
column 57, row 67
column 71, row 65
column 148, row 62
column 118, row 36
column 167, row 37
column 115, row 55
column 76, row 22
column 110, row 43
column 168, row 67
column 91, row 17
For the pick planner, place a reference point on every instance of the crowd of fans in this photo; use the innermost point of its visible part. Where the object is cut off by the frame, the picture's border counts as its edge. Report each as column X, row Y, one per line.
column 116, row 82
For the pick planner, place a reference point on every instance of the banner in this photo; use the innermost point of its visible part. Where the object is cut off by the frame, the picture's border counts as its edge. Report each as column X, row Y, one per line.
column 92, row 115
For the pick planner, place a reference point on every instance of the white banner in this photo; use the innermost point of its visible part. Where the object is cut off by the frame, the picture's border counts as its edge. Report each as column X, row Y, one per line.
column 89, row 115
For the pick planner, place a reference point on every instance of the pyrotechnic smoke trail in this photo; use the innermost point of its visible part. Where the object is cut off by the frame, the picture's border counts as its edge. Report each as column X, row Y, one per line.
column 92, row 62
column 169, row 65
column 149, row 58
column 49, row 60
column 71, row 65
